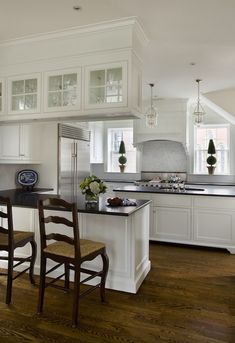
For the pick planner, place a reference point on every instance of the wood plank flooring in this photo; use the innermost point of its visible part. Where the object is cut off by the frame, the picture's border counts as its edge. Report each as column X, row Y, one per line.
column 188, row 297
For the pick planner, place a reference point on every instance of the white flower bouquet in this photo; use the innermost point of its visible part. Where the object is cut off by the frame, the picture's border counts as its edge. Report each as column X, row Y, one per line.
column 92, row 186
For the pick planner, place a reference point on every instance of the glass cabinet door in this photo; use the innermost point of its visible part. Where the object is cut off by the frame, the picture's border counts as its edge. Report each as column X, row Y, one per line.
column 106, row 86
column 62, row 91
column 24, row 95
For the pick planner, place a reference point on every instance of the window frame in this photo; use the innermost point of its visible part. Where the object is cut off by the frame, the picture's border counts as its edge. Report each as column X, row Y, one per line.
column 228, row 126
column 107, row 152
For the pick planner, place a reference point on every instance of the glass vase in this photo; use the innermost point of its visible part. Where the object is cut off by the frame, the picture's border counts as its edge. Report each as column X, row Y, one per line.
column 92, row 199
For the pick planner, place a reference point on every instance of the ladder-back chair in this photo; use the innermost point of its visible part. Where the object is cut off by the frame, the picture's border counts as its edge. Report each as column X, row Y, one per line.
column 9, row 241
column 68, row 251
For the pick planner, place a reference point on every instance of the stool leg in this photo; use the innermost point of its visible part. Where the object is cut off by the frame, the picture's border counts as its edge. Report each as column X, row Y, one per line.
column 9, row 276
column 32, row 261
column 105, row 260
column 76, row 297
column 42, row 284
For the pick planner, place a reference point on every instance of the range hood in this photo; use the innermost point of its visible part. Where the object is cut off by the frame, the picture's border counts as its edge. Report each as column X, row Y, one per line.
column 163, row 155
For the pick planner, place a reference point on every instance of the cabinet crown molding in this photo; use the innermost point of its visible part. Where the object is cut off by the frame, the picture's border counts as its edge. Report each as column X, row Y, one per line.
column 81, row 30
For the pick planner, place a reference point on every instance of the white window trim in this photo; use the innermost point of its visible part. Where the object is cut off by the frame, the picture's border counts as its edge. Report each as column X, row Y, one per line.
column 229, row 145
column 117, row 125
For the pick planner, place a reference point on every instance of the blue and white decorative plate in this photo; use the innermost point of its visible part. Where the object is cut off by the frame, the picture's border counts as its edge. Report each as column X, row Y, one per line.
column 27, row 177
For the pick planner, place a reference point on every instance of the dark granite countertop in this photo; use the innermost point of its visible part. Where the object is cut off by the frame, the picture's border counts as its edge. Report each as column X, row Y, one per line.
column 21, row 198
column 222, row 191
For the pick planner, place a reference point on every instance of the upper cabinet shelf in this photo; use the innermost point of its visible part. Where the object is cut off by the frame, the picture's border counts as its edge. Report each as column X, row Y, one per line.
column 24, row 94
column 62, row 90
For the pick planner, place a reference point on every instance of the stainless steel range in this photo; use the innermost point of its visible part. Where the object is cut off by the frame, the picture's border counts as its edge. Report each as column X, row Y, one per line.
column 166, row 181
column 171, row 185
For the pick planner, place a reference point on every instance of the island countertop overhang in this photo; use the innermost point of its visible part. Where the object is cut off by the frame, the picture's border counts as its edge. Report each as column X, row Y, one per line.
column 20, row 198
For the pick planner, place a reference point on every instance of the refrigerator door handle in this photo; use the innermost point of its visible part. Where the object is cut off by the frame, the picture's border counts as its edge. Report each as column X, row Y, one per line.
column 76, row 168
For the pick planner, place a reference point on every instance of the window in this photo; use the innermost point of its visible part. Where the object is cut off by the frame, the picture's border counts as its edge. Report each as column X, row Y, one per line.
column 115, row 135
column 220, row 134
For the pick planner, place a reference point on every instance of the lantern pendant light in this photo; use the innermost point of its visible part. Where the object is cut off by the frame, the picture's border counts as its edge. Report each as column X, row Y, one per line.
column 151, row 114
column 199, row 111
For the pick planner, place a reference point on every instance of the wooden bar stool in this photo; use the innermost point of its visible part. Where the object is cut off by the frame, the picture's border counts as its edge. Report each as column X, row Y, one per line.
column 9, row 241
column 70, row 251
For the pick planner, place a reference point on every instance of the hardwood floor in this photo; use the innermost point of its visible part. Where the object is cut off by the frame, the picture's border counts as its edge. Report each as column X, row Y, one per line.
column 188, row 297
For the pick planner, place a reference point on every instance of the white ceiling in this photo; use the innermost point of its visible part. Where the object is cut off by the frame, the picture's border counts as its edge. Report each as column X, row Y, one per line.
column 180, row 32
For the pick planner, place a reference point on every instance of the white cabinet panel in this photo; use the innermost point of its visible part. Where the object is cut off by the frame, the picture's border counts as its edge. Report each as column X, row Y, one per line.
column 214, row 202
column 172, row 223
column 19, row 143
column 10, row 138
column 172, row 200
column 214, row 226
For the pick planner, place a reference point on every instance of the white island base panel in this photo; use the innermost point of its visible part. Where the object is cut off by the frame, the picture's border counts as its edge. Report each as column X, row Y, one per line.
column 126, row 239
column 127, row 243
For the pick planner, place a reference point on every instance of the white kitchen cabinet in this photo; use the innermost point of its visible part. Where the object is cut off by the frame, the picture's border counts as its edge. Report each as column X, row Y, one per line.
column 171, row 224
column 24, row 94
column 19, row 143
column 196, row 220
column 62, row 90
column 214, row 226
column 214, row 220
column 171, row 217
column 106, row 85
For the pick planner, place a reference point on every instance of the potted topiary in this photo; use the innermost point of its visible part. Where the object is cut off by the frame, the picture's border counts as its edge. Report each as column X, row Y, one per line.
column 122, row 159
column 211, row 160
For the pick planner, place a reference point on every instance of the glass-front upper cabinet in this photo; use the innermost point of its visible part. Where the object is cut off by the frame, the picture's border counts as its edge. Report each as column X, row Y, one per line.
column 62, row 90
column 106, row 85
column 24, row 94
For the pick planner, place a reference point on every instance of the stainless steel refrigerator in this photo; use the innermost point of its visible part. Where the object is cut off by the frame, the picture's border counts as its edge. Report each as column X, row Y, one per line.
column 74, row 159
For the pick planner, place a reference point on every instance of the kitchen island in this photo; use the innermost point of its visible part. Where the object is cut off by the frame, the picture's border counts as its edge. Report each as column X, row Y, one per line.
column 201, row 215
column 124, row 230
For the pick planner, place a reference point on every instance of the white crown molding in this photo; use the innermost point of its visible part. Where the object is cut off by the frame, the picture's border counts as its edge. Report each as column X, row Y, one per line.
column 80, row 30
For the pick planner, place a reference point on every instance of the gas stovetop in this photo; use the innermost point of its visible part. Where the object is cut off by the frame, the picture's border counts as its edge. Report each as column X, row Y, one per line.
column 165, row 185
column 155, row 183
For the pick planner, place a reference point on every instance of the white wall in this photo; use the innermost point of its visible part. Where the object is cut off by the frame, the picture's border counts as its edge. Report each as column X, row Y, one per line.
column 223, row 98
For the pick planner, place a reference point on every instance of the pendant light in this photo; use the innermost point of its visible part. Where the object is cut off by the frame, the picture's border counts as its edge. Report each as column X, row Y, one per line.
column 199, row 111
column 151, row 114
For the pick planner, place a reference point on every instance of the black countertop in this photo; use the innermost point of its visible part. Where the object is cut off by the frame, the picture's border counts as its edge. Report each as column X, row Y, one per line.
column 21, row 198
column 222, row 191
